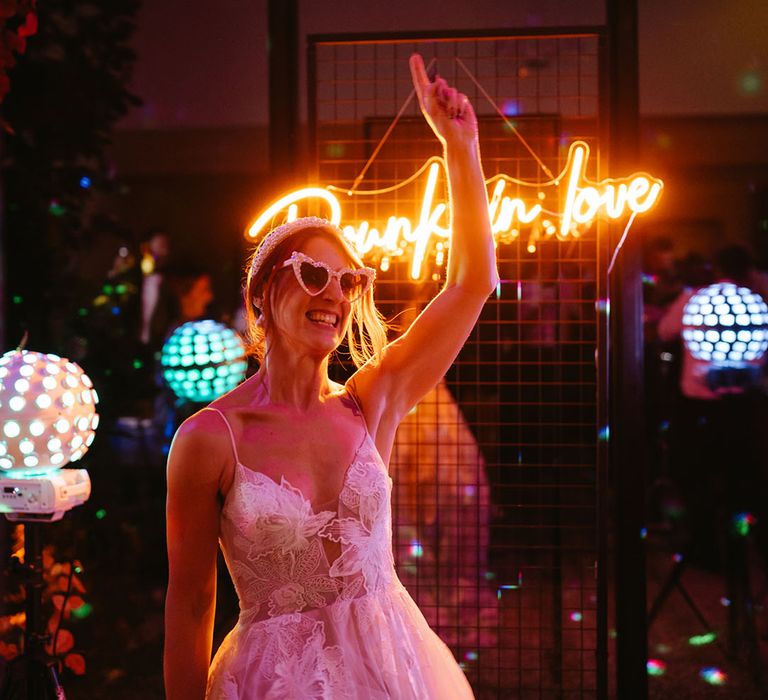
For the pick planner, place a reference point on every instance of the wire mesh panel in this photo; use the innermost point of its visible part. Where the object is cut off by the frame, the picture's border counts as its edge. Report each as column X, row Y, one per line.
column 496, row 470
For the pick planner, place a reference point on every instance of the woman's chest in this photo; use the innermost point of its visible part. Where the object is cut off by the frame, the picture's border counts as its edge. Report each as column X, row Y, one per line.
column 312, row 454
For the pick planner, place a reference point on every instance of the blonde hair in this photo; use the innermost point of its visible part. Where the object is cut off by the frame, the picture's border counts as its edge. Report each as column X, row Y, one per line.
column 367, row 330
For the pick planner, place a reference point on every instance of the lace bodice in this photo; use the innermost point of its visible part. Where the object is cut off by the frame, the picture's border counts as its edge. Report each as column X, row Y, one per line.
column 323, row 615
column 286, row 557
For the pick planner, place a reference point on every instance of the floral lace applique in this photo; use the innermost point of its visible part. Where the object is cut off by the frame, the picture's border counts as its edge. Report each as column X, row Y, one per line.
column 290, row 582
column 304, row 668
column 277, row 531
column 366, row 538
column 282, row 519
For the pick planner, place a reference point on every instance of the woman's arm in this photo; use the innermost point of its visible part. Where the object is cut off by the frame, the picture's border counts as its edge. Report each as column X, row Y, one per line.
column 195, row 468
column 415, row 362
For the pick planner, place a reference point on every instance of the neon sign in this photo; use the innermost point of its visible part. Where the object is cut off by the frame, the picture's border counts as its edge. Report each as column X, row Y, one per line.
column 579, row 203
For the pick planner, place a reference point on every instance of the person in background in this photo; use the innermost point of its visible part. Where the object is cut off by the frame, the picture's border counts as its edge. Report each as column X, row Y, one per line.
column 192, row 292
column 155, row 256
column 661, row 283
column 715, row 455
column 732, row 264
column 186, row 294
column 442, row 509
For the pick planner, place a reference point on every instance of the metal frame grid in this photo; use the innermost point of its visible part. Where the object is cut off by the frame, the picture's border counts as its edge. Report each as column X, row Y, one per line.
column 498, row 472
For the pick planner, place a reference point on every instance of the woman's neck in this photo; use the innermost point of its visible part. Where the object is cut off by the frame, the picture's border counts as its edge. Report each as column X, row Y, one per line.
column 298, row 381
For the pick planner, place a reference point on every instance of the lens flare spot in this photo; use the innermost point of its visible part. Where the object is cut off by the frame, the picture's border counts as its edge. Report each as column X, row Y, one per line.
column 700, row 640
column 713, row 675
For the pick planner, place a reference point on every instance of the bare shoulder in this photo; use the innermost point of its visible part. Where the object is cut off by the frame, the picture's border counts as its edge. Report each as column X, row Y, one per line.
column 200, row 448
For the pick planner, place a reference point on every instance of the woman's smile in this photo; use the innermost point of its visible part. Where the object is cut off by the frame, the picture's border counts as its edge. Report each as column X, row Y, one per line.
column 323, row 318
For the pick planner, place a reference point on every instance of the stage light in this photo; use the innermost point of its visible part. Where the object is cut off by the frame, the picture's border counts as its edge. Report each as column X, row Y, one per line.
column 202, row 360
column 726, row 325
column 47, row 411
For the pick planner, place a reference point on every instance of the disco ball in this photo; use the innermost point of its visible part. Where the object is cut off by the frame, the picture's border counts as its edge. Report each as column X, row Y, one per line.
column 202, row 360
column 726, row 325
column 47, row 412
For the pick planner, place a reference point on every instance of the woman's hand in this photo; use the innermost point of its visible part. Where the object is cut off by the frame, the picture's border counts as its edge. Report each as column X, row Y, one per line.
column 446, row 110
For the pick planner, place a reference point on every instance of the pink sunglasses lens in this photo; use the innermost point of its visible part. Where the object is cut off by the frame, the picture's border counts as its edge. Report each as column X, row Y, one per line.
column 314, row 277
column 353, row 284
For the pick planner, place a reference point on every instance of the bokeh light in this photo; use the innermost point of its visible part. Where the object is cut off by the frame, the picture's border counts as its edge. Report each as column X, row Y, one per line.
column 202, row 360
column 751, row 83
column 713, row 675
column 48, row 407
column 700, row 640
column 743, row 523
column 726, row 324
column 656, row 667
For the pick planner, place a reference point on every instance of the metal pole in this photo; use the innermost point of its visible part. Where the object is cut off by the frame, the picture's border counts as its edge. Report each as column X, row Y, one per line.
column 283, row 89
column 627, row 396
column 3, row 279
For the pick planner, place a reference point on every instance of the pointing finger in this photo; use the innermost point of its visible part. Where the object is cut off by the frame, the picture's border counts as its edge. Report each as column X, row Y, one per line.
column 418, row 73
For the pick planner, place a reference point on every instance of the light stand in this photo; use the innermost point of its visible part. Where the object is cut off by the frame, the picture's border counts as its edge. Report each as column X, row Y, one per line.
column 32, row 676
column 47, row 420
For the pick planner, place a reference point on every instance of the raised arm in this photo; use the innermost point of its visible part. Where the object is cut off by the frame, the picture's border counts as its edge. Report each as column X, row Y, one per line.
column 416, row 361
column 194, row 475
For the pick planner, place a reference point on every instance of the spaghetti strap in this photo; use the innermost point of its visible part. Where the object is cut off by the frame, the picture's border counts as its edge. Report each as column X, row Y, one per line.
column 229, row 429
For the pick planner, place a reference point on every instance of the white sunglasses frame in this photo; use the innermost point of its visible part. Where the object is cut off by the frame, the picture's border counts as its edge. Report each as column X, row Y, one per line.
column 297, row 258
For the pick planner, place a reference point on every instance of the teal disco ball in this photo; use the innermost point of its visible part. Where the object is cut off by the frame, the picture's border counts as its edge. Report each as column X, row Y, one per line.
column 201, row 360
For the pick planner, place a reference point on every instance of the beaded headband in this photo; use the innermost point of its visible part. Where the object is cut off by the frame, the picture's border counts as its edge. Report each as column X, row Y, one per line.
column 277, row 235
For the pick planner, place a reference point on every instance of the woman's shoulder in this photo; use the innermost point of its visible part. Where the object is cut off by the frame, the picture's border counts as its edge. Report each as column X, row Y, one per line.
column 202, row 436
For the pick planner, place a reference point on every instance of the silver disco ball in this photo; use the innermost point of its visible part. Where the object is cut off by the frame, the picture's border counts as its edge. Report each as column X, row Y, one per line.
column 47, row 412
column 726, row 325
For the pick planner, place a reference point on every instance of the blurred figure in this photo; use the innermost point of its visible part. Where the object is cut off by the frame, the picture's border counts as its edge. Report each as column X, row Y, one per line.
column 441, row 502
column 155, row 254
column 715, row 431
column 185, row 296
column 442, row 507
column 661, row 282
column 733, row 264
column 192, row 294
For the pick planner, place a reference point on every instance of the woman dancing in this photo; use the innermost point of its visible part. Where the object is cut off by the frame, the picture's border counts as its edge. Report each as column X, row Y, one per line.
column 288, row 471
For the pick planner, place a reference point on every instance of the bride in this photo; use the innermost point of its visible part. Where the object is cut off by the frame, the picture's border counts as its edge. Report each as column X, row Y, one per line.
column 288, row 472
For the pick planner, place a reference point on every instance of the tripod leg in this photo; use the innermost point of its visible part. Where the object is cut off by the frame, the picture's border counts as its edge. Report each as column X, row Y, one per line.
column 672, row 580
column 742, row 625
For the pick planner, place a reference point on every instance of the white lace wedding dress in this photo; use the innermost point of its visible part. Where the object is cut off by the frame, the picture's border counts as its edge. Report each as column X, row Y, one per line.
column 322, row 612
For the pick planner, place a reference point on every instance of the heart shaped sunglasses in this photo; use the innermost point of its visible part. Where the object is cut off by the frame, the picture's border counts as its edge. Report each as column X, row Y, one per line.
column 314, row 276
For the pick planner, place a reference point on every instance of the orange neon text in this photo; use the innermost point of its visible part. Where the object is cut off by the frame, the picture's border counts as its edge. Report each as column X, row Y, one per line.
column 579, row 203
